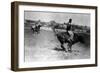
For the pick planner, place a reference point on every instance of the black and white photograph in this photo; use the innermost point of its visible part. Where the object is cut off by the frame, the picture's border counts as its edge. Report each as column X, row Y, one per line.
column 55, row 36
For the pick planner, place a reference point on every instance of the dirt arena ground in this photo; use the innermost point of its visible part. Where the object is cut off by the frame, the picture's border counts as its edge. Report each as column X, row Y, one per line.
column 42, row 47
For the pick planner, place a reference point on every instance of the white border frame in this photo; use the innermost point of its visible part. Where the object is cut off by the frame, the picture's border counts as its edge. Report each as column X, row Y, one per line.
column 23, row 64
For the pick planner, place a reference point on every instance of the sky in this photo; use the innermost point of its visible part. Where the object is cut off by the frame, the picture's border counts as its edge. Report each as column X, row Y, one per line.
column 60, row 17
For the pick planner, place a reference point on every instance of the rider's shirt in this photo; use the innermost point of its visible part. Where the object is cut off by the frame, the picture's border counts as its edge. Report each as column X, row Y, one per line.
column 68, row 26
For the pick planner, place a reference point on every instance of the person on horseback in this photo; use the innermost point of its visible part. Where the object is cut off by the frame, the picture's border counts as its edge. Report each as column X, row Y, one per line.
column 38, row 25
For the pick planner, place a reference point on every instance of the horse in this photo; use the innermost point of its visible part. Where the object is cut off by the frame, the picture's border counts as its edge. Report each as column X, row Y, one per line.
column 36, row 28
column 64, row 37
